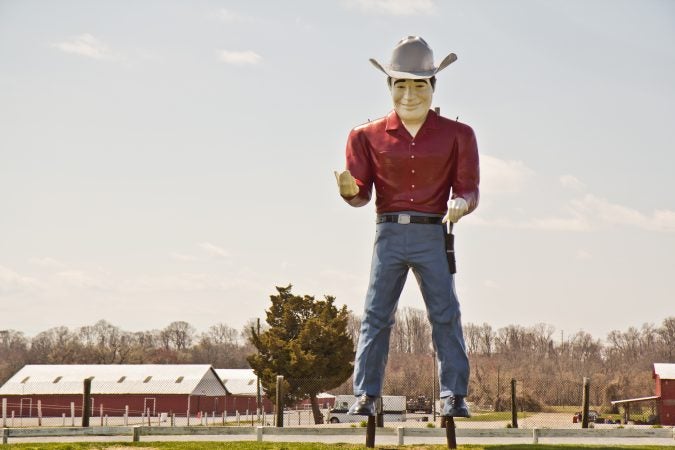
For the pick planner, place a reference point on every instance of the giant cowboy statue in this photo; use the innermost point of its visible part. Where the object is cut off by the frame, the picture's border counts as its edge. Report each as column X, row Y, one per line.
column 415, row 159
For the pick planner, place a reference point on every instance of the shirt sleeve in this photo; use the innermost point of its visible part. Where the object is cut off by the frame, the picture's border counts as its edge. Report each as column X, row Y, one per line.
column 467, row 173
column 359, row 165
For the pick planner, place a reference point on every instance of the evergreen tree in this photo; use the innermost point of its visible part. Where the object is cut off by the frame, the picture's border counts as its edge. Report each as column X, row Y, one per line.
column 307, row 342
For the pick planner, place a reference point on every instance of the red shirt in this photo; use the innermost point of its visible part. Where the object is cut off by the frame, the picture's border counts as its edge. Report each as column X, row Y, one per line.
column 413, row 174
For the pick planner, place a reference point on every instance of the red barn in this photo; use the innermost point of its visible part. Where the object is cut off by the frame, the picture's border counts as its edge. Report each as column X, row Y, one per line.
column 241, row 385
column 664, row 374
column 159, row 388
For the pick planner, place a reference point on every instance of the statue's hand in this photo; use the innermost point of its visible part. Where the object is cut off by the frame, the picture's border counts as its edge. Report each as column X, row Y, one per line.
column 457, row 207
column 346, row 183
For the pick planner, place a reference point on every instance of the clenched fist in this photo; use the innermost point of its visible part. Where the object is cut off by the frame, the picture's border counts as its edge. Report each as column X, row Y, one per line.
column 346, row 183
column 457, row 207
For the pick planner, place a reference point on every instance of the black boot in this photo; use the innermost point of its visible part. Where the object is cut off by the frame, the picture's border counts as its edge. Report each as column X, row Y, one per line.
column 455, row 406
column 364, row 406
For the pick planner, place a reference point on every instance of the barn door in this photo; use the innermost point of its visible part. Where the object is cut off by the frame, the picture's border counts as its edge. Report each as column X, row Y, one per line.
column 26, row 407
column 149, row 402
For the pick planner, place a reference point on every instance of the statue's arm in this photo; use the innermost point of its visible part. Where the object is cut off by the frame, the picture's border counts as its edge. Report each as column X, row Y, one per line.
column 356, row 182
column 466, row 176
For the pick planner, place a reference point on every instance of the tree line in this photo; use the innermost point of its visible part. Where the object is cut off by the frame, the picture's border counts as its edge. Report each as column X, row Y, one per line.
column 104, row 343
column 548, row 367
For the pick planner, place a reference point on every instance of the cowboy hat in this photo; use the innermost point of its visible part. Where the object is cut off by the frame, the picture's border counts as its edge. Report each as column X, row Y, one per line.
column 412, row 58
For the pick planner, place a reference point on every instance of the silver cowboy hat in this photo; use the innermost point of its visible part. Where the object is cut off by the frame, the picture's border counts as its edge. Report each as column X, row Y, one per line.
column 412, row 58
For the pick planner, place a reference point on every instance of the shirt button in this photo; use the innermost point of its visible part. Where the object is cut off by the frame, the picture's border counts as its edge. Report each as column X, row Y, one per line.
column 412, row 200
column 413, row 186
column 412, row 171
column 412, row 156
column 413, row 143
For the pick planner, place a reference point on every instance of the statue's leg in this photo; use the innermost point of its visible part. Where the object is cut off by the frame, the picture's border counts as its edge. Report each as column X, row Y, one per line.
column 438, row 289
column 387, row 277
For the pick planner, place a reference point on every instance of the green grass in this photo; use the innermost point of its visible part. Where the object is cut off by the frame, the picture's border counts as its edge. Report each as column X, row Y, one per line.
column 303, row 446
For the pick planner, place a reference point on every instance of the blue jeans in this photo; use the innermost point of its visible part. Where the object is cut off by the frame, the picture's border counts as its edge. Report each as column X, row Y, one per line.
column 420, row 247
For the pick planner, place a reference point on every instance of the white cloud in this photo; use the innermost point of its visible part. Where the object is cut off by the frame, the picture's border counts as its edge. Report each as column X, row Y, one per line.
column 47, row 262
column 500, row 176
column 86, row 45
column 192, row 282
column 575, row 223
column 393, row 7
column 572, row 182
column 603, row 212
column 214, row 250
column 79, row 279
column 13, row 282
column 247, row 57
column 183, row 257
column 591, row 213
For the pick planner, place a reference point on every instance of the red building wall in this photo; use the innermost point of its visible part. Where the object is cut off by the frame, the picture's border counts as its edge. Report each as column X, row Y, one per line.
column 243, row 403
column 666, row 389
column 114, row 404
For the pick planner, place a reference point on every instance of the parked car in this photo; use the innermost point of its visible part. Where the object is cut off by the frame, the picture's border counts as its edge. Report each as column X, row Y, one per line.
column 593, row 417
column 393, row 409
column 419, row 404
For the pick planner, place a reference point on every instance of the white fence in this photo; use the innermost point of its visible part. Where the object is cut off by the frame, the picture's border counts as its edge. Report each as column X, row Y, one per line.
column 401, row 432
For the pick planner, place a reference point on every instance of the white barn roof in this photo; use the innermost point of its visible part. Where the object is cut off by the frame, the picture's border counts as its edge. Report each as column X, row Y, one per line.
column 239, row 381
column 665, row 371
column 186, row 379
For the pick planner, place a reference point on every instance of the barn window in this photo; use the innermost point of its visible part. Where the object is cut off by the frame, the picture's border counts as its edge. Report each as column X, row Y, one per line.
column 24, row 380
column 57, row 379
column 147, row 379
column 179, row 379
column 122, row 378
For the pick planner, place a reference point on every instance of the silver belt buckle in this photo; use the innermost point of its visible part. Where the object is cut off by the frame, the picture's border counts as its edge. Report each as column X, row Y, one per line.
column 404, row 219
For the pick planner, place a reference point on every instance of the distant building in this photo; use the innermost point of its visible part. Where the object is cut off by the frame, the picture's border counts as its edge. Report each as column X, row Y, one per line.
column 242, row 389
column 664, row 398
column 241, row 384
column 664, row 374
column 157, row 388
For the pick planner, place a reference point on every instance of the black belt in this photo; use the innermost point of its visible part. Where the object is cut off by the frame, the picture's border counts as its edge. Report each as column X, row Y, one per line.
column 407, row 218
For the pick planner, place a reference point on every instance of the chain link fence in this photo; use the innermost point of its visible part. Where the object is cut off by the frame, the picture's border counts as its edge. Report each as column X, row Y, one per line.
column 407, row 401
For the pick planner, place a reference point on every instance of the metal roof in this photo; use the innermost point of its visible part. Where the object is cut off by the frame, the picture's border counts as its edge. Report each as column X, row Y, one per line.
column 635, row 400
column 186, row 379
column 239, row 381
column 665, row 371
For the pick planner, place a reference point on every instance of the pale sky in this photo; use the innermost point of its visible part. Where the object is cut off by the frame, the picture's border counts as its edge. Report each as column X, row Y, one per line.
column 173, row 160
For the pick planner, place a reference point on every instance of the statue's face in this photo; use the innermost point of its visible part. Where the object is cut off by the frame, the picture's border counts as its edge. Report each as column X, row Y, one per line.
column 412, row 98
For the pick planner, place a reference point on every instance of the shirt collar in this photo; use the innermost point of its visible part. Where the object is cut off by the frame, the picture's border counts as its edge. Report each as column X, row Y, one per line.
column 394, row 122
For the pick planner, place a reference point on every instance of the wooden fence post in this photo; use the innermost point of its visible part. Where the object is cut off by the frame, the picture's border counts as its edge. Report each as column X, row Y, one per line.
column 72, row 414
column 514, row 405
column 4, row 413
column 86, row 402
column 370, row 432
column 39, row 411
column 585, row 399
column 280, row 401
